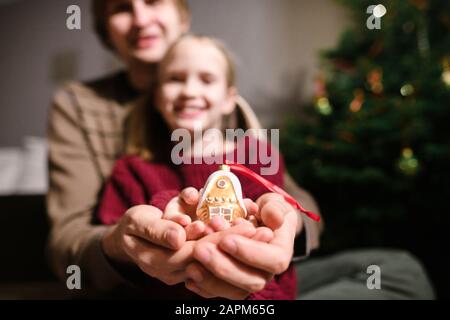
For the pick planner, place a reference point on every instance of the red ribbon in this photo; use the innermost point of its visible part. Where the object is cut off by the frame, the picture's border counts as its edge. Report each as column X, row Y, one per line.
column 272, row 187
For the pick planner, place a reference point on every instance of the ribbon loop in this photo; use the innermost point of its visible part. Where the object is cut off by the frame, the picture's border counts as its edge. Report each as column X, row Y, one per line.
column 272, row 187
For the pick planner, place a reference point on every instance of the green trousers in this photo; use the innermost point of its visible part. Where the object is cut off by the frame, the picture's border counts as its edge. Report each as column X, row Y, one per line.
column 345, row 276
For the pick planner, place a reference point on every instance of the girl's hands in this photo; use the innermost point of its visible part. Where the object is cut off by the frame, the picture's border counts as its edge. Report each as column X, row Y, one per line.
column 239, row 259
column 157, row 246
column 182, row 210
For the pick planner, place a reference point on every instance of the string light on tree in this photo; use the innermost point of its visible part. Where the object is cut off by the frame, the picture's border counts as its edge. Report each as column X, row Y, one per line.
column 446, row 72
column 322, row 103
column 408, row 163
column 407, row 90
column 323, row 106
column 358, row 101
column 375, row 80
column 379, row 11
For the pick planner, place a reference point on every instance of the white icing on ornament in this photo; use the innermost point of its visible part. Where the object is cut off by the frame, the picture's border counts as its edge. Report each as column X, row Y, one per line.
column 221, row 196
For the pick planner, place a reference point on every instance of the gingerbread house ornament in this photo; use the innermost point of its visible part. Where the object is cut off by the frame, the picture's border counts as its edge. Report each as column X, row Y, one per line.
column 221, row 196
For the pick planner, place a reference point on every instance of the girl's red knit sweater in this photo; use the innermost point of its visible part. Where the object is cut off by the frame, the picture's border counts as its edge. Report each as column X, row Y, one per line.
column 135, row 181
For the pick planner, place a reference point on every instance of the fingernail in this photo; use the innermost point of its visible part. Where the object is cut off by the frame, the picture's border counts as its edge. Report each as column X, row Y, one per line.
column 229, row 245
column 172, row 238
column 203, row 254
column 190, row 193
column 195, row 275
column 185, row 220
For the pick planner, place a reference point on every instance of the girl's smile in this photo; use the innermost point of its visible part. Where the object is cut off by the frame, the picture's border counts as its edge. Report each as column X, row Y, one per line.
column 189, row 110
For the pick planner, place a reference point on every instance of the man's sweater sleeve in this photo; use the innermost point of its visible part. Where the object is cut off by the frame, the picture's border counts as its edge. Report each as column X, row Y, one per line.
column 73, row 188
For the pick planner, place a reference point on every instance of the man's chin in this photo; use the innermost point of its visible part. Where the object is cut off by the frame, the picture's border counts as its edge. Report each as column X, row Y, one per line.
column 149, row 56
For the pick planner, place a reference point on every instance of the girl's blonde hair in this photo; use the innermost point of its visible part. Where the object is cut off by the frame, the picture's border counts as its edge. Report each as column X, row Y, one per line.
column 216, row 43
column 147, row 134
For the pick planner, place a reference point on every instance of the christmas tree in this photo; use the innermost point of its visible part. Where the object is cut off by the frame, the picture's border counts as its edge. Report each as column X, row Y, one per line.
column 374, row 145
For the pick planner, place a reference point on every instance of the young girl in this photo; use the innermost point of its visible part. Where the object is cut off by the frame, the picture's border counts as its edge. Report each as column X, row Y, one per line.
column 196, row 88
